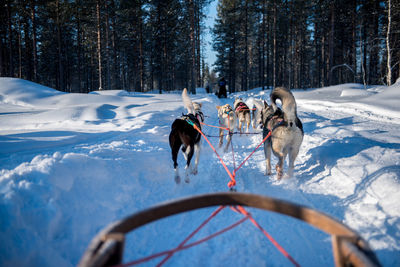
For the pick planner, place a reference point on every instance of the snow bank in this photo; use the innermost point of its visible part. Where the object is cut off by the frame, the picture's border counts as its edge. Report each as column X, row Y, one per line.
column 70, row 164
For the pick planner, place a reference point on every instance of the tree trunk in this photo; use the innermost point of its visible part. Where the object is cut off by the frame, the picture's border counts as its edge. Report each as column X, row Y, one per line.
column 263, row 34
column 246, row 47
column 99, row 45
column 115, row 69
column 198, row 41
column 363, row 59
column 60, row 85
column 274, row 67
column 331, row 42
column 19, row 49
column 10, row 40
column 193, row 43
column 108, row 76
column 353, row 38
column 34, row 42
column 141, row 52
column 28, row 50
column 389, row 54
column 79, row 45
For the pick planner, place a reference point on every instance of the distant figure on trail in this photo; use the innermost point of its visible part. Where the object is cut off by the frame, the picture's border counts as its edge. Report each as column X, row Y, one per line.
column 222, row 88
column 208, row 88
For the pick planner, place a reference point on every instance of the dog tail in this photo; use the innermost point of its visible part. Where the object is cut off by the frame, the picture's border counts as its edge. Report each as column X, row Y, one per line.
column 289, row 105
column 187, row 102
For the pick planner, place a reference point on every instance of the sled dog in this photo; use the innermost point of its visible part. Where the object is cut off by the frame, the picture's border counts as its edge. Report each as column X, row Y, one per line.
column 184, row 135
column 242, row 112
column 285, row 127
column 227, row 119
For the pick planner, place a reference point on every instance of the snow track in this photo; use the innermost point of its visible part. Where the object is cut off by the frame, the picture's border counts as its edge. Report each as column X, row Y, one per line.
column 70, row 164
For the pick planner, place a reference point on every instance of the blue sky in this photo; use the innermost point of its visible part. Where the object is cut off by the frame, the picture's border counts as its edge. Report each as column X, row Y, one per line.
column 209, row 54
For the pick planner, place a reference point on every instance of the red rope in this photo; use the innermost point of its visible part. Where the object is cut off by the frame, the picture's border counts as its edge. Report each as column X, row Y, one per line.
column 241, row 209
column 250, row 109
column 184, row 247
column 233, row 181
column 192, row 234
column 224, row 128
column 273, row 241
column 247, row 215
column 233, row 156
column 265, row 139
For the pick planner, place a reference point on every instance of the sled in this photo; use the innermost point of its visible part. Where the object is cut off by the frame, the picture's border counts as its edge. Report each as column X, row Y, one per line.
column 349, row 249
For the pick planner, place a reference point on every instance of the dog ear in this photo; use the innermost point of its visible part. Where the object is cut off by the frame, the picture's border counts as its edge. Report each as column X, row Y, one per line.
column 265, row 104
column 200, row 104
column 218, row 107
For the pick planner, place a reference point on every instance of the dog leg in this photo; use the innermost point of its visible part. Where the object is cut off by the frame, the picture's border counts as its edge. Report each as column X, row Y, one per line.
column 196, row 161
column 185, row 151
column 175, row 144
column 221, row 137
column 267, row 152
column 229, row 140
column 188, row 159
column 279, row 168
column 177, row 176
column 292, row 156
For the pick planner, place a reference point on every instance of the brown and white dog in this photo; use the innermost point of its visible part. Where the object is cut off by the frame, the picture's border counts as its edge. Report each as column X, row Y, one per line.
column 285, row 127
column 242, row 112
column 184, row 135
column 227, row 119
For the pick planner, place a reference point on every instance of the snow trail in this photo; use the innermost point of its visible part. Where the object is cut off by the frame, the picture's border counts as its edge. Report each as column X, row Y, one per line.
column 70, row 164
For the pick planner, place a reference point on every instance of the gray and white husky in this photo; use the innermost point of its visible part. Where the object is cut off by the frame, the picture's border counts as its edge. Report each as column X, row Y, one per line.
column 285, row 127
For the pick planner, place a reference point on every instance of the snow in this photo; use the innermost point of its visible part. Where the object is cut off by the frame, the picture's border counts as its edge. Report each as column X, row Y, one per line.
column 70, row 164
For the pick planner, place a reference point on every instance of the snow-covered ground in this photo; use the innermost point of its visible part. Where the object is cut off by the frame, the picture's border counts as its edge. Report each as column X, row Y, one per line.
column 70, row 164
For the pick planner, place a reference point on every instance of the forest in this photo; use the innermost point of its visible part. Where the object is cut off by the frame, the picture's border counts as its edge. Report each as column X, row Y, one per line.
column 158, row 45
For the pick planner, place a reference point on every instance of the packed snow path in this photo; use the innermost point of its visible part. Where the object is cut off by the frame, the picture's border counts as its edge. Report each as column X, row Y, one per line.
column 70, row 164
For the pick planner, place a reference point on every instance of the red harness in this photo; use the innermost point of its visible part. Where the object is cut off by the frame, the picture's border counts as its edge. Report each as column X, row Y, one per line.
column 242, row 106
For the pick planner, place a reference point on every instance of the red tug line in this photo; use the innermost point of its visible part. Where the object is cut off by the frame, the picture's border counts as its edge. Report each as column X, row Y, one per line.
column 183, row 245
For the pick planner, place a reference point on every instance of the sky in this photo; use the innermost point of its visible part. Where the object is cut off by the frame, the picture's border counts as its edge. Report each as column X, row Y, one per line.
column 210, row 55
column 71, row 164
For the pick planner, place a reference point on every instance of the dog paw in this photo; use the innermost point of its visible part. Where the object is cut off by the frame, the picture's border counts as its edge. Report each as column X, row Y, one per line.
column 279, row 172
column 194, row 171
column 177, row 179
column 187, row 179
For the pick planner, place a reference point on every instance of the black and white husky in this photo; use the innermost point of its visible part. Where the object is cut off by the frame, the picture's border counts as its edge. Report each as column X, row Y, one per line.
column 184, row 135
column 285, row 127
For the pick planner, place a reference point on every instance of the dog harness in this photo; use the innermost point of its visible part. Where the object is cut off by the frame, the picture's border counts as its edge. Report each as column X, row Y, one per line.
column 242, row 106
column 192, row 119
column 201, row 115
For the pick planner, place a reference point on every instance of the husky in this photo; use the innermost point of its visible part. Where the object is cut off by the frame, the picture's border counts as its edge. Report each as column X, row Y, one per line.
column 183, row 134
column 285, row 127
column 242, row 112
column 227, row 119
